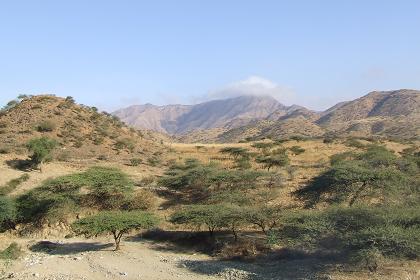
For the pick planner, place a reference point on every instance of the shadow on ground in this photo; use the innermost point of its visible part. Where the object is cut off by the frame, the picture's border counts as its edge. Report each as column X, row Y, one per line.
column 266, row 267
column 177, row 241
column 69, row 248
column 20, row 164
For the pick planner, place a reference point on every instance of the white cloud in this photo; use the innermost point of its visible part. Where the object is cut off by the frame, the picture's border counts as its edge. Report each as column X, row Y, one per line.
column 254, row 85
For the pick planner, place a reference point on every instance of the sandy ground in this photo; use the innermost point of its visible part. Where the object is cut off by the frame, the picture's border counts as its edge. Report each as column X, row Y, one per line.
column 95, row 260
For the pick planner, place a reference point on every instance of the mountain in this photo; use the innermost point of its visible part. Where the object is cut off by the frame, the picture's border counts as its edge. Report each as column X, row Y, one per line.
column 81, row 131
column 387, row 113
column 180, row 119
column 394, row 114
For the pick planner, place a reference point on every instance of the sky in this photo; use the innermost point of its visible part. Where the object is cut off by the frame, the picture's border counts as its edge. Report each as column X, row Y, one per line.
column 112, row 54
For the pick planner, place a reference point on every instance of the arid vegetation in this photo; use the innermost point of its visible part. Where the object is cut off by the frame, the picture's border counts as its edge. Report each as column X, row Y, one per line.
column 348, row 203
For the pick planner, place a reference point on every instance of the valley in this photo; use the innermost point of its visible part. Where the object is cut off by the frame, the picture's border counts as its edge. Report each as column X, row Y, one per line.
column 267, row 208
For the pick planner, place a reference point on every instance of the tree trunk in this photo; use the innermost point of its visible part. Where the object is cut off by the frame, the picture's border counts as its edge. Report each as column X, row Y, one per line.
column 117, row 238
column 235, row 234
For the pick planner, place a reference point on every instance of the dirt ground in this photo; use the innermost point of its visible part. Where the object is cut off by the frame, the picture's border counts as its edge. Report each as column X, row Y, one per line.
column 94, row 259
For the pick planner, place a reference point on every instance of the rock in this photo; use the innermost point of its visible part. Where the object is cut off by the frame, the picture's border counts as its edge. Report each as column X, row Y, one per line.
column 123, row 273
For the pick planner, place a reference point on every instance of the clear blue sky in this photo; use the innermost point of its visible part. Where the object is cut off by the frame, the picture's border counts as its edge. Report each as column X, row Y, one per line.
column 114, row 53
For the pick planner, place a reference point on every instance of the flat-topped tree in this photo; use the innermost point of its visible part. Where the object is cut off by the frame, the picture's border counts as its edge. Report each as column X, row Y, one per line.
column 116, row 223
column 235, row 152
column 277, row 158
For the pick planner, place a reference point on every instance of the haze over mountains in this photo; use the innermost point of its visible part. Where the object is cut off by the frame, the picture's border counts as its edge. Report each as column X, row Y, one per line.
column 387, row 113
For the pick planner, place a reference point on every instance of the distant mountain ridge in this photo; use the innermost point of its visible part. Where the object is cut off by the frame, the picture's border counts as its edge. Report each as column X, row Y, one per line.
column 383, row 113
column 180, row 119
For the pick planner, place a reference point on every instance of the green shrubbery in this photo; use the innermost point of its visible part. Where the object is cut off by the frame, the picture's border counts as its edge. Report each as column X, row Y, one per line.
column 45, row 126
column 12, row 252
column 41, row 149
column 390, row 231
column 116, row 223
column 13, row 184
column 7, row 213
column 57, row 199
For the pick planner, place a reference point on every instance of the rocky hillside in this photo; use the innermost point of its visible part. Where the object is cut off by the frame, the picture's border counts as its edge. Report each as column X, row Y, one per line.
column 180, row 119
column 81, row 131
column 394, row 114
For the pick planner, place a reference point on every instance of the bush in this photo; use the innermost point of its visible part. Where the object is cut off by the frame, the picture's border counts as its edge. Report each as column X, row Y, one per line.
column 114, row 222
column 13, row 184
column 45, row 126
column 12, row 252
column 277, row 158
column 297, row 150
column 141, row 200
column 153, row 161
column 41, row 149
column 60, row 198
column 125, row 143
column 354, row 143
column 212, row 216
column 391, row 232
column 135, row 161
column 374, row 174
column 7, row 212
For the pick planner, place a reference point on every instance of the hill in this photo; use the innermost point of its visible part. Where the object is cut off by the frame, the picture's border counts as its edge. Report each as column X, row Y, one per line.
column 81, row 131
column 180, row 119
column 389, row 114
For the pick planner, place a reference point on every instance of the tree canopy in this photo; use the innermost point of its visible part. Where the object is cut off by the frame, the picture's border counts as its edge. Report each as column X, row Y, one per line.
column 116, row 223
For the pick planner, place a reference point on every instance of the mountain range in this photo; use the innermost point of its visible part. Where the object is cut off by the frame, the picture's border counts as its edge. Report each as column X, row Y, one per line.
column 383, row 113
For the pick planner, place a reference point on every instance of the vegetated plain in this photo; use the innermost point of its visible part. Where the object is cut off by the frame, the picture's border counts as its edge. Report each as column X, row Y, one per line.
column 289, row 208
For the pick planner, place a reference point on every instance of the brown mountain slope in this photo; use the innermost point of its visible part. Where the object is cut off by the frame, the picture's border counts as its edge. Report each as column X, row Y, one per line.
column 378, row 103
column 181, row 119
column 81, row 131
column 387, row 113
column 390, row 114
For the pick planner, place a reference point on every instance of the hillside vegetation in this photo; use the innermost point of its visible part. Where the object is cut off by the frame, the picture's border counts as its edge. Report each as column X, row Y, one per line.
column 297, row 207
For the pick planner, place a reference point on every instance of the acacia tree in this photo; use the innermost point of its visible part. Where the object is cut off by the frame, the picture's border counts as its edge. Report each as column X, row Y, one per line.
column 277, row 158
column 376, row 173
column 41, row 149
column 116, row 223
column 213, row 216
column 235, row 152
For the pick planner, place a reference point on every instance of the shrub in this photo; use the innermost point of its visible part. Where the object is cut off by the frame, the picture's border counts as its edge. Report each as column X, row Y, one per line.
column 135, row 161
column 4, row 150
column 116, row 223
column 277, row 158
column 376, row 173
column 235, row 152
column 141, row 200
column 153, row 161
column 7, row 212
column 124, row 143
column 297, row 150
column 60, row 198
column 41, row 149
column 70, row 99
column 354, row 143
column 45, row 126
column 262, row 145
column 213, row 217
column 12, row 252
column 13, row 184
column 390, row 232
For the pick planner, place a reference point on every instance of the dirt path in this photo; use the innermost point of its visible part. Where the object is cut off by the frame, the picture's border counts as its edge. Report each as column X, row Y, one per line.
column 94, row 260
